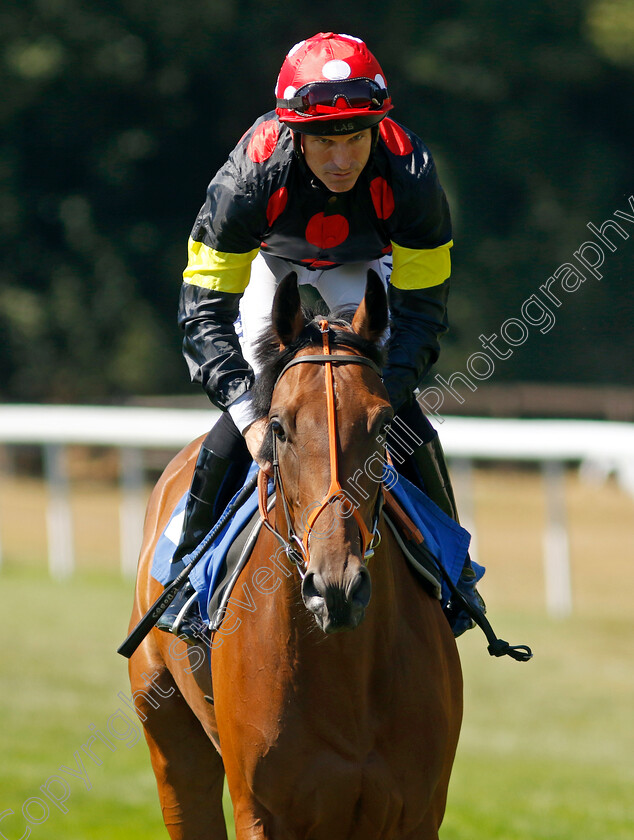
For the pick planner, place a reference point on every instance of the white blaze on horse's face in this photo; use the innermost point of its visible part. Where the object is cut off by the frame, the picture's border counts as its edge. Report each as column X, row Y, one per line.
column 336, row 587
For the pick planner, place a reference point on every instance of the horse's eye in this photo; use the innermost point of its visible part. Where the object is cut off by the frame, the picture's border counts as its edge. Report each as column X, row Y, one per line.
column 278, row 430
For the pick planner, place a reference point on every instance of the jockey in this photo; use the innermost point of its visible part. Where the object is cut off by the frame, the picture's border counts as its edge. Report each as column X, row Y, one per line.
column 327, row 186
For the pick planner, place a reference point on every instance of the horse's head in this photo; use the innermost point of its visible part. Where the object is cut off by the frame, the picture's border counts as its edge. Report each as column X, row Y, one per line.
column 327, row 433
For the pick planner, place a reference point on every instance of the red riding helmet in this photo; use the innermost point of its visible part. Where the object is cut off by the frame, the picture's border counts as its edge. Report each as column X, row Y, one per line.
column 331, row 84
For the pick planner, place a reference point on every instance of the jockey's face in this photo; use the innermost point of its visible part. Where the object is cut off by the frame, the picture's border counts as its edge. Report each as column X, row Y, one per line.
column 337, row 160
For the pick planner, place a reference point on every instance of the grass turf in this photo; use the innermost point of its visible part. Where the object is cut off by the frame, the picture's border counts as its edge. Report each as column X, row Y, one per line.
column 545, row 750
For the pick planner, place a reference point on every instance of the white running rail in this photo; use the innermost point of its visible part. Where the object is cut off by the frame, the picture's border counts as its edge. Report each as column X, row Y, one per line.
column 605, row 446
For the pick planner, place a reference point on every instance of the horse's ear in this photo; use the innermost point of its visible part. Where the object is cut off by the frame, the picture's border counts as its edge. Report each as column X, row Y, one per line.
column 288, row 320
column 371, row 318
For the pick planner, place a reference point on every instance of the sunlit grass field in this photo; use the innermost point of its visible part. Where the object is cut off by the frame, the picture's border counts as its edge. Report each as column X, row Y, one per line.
column 546, row 748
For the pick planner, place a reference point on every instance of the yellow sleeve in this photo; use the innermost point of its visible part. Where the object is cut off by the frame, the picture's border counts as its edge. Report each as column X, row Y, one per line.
column 420, row 268
column 217, row 270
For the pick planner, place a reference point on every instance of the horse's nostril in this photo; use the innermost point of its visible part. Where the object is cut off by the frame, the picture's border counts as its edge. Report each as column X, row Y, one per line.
column 337, row 606
column 311, row 588
column 361, row 588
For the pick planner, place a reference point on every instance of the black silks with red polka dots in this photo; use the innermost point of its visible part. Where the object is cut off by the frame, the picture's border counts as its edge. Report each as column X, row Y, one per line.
column 265, row 197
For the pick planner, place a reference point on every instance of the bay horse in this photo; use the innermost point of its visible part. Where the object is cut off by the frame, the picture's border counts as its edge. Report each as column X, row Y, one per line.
column 322, row 735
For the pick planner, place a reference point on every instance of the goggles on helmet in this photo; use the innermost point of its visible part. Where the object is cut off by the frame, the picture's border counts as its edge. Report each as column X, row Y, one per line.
column 317, row 98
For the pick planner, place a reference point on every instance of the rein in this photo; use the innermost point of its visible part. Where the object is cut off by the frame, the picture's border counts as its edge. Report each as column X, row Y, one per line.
column 297, row 548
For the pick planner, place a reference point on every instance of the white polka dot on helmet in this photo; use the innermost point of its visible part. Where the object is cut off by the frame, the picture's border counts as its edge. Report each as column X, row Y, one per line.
column 337, row 86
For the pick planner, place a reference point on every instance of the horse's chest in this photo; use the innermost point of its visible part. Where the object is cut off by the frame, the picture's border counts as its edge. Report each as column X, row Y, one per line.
column 327, row 794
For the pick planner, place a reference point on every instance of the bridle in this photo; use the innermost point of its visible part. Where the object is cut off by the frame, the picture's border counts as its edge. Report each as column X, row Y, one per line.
column 298, row 548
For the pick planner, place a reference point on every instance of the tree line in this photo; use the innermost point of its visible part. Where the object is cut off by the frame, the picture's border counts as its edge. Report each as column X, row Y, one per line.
column 117, row 113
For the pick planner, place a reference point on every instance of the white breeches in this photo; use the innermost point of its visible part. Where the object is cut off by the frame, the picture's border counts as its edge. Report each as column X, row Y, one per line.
column 339, row 287
column 343, row 286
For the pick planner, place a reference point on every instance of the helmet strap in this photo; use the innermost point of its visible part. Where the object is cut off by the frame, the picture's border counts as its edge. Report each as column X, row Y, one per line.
column 376, row 131
column 297, row 144
column 299, row 151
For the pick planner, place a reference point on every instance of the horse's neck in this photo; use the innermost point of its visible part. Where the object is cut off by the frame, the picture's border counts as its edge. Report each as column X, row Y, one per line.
column 281, row 653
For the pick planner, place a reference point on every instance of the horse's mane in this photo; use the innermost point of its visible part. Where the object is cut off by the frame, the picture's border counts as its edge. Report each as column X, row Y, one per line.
column 272, row 360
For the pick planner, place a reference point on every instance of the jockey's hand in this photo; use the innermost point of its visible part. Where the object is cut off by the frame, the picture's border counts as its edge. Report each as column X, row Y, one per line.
column 254, row 437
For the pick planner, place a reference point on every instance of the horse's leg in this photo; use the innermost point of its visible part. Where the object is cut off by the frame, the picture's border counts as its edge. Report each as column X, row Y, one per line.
column 249, row 823
column 189, row 772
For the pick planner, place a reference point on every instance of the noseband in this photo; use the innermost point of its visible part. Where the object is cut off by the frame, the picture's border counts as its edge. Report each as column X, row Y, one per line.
column 296, row 548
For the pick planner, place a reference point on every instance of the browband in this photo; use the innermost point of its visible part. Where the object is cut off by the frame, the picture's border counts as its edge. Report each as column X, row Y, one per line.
column 334, row 359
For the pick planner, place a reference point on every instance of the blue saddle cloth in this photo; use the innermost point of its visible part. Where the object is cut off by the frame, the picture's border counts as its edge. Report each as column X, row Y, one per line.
column 447, row 541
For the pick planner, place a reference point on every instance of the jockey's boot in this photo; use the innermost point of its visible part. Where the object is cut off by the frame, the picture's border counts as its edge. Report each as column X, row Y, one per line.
column 210, row 473
column 432, row 468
